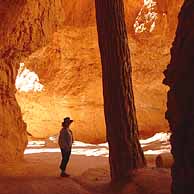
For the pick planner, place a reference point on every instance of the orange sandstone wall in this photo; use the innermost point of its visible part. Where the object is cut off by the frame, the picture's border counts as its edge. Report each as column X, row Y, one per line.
column 58, row 41
column 13, row 137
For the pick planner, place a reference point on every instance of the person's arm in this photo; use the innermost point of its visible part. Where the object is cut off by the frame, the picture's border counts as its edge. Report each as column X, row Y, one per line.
column 72, row 136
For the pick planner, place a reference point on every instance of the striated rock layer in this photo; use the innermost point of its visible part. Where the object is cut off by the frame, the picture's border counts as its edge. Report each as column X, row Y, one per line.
column 57, row 40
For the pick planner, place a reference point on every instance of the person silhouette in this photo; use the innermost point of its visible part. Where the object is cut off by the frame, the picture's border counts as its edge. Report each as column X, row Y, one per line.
column 65, row 142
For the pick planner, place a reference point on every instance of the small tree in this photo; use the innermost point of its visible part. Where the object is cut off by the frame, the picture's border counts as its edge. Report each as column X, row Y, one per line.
column 120, row 115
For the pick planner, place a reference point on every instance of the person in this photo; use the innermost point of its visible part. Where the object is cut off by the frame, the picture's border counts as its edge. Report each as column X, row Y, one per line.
column 65, row 142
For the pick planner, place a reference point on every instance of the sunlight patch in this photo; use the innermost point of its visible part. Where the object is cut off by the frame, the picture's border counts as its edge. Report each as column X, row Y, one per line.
column 160, row 137
column 79, row 148
column 157, row 144
column 146, row 19
column 27, row 80
column 156, row 152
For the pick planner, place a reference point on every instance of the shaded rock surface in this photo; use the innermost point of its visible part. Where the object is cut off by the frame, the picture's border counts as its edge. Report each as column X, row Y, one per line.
column 13, row 138
column 179, row 77
column 164, row 160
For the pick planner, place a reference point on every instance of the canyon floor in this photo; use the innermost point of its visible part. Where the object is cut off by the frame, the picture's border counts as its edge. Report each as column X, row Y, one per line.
column 38, row 172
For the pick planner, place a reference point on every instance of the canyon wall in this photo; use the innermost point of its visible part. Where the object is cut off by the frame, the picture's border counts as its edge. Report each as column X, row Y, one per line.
column 23, row 30
column 57, row 40
column 150, row 43
column 179, row 77
column 13, row 138
column 69, row 70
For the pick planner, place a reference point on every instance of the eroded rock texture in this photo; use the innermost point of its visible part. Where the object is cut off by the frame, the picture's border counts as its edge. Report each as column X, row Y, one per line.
column 69, row 68
column 12, row 128
column 20, row 35
column 57, row 40
column 179, row 77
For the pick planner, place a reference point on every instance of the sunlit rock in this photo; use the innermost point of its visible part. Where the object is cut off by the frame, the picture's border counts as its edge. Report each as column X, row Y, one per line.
column 69, row 68
column 57, row 41
column 146, row 19
column 27, row 80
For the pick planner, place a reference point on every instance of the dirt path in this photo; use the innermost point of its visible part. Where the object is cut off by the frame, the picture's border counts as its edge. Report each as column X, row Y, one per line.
column 38, row 173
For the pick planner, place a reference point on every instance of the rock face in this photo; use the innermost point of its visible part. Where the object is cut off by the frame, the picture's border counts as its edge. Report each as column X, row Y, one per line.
column 17, row 39
column 57, row 40
column 179, row 77
column 12, row 128
column 150, row 47
column 70, row 70
column 71, row 77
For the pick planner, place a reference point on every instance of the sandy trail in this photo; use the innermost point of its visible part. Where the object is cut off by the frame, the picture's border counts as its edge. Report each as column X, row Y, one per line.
column 38, row 173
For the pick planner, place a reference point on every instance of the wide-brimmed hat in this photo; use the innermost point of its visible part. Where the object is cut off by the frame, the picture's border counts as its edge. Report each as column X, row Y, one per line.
column 67, row 120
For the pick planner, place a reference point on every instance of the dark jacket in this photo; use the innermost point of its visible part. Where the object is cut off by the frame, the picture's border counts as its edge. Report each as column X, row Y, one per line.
column 65, row 140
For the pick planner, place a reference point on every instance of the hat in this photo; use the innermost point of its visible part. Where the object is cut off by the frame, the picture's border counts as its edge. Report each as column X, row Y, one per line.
column 67, row 120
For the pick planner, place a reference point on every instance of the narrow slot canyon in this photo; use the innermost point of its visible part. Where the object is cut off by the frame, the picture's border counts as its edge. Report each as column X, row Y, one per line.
column 50, row 68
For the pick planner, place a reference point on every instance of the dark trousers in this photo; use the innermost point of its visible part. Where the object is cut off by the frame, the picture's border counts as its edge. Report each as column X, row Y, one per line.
column 65, row 158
